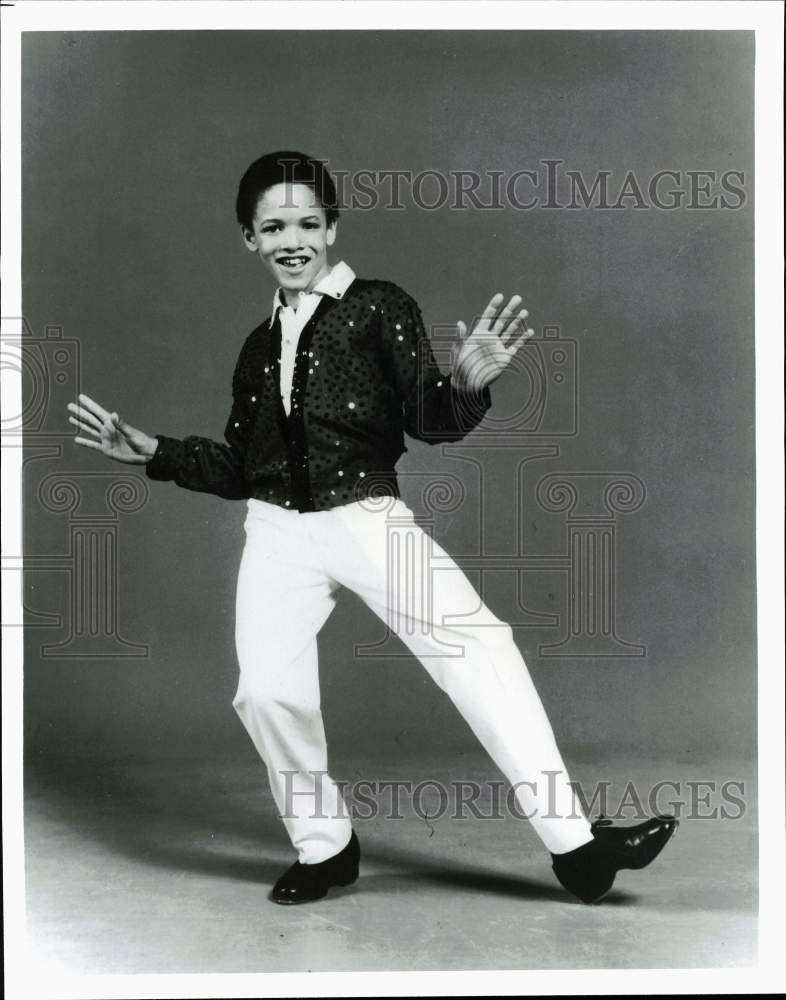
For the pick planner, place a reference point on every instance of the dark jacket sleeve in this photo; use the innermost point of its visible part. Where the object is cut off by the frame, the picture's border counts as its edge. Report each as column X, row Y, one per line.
column 204, row 465
column 434, row 408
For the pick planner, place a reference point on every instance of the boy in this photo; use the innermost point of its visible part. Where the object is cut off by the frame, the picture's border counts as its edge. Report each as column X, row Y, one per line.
column 323, row 392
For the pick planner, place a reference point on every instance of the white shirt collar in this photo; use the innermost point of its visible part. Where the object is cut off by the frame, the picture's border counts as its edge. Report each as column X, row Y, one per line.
column 335, row 283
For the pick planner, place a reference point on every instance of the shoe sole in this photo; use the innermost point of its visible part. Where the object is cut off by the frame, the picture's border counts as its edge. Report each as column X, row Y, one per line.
column 597, row 899
column 313, row 899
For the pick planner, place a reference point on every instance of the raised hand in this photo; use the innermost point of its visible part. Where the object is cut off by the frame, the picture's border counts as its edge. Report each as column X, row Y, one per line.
column 109, row 434
column 482, row 356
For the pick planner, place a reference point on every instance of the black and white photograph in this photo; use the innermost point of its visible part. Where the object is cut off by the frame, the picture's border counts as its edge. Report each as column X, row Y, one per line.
column 393, row 499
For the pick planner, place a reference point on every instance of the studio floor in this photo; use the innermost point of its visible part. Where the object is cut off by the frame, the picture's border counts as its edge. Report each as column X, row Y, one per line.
column 166, row 865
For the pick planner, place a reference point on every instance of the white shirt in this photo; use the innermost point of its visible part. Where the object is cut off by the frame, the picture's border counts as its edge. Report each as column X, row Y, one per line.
column 335, row 283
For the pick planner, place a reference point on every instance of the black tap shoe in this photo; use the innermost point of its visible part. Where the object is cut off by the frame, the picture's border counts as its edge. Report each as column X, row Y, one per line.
column 305, row 883
column 589, row 871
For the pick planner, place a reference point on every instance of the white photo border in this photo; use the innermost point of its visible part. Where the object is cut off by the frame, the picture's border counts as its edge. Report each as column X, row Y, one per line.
column 763, row 18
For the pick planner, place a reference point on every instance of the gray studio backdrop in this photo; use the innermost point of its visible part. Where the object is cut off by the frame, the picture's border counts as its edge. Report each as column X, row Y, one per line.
column 138, row 291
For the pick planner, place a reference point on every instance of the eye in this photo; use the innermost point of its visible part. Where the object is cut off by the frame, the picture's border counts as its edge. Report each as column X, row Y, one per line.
column 311, row 225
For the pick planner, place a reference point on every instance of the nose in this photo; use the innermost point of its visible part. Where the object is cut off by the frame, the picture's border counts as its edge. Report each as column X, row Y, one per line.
column 291, row 239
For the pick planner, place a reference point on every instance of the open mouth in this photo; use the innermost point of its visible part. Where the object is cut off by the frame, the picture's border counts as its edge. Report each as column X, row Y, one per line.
column 293, row 264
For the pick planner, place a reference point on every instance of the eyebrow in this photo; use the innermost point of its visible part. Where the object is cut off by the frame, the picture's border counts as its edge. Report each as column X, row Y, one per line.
column 303, row 218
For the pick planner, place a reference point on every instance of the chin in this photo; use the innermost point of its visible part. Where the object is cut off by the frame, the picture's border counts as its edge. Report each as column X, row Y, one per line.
column 298, row 281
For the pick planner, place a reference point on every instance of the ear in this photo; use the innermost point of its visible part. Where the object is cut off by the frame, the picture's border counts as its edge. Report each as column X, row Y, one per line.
column 249, row 239
column 330, row 235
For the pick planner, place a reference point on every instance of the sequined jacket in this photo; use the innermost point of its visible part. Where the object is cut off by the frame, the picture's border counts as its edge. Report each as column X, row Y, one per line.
column 365, row 373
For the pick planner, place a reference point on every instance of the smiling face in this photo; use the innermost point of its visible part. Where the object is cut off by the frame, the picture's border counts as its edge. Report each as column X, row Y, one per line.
column 291, row 236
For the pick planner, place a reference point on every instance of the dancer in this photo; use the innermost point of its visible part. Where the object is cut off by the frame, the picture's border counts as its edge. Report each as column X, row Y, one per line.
column 322, row 394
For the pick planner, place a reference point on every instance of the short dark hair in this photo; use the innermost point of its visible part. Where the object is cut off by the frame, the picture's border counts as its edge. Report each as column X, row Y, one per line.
column 285, row 166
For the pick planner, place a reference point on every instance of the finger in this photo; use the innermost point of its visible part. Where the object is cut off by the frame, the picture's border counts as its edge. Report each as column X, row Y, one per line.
column 507, row 314
column 84, row 427
column 124, row 428
column 512, row 348
column 515, row 328
column 94, row 407
column 461, row 330
column 88, row 444
column 85, row 415
column 491, row 309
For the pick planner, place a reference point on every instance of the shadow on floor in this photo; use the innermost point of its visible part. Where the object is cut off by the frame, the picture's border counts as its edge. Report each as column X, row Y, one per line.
column 212, row 820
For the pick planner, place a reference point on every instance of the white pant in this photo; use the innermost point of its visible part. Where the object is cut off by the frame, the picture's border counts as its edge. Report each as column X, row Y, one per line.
column 292, row 567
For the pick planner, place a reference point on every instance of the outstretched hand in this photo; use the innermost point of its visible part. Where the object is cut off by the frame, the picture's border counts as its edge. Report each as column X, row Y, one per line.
column 109, row 434
column 482, row 356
